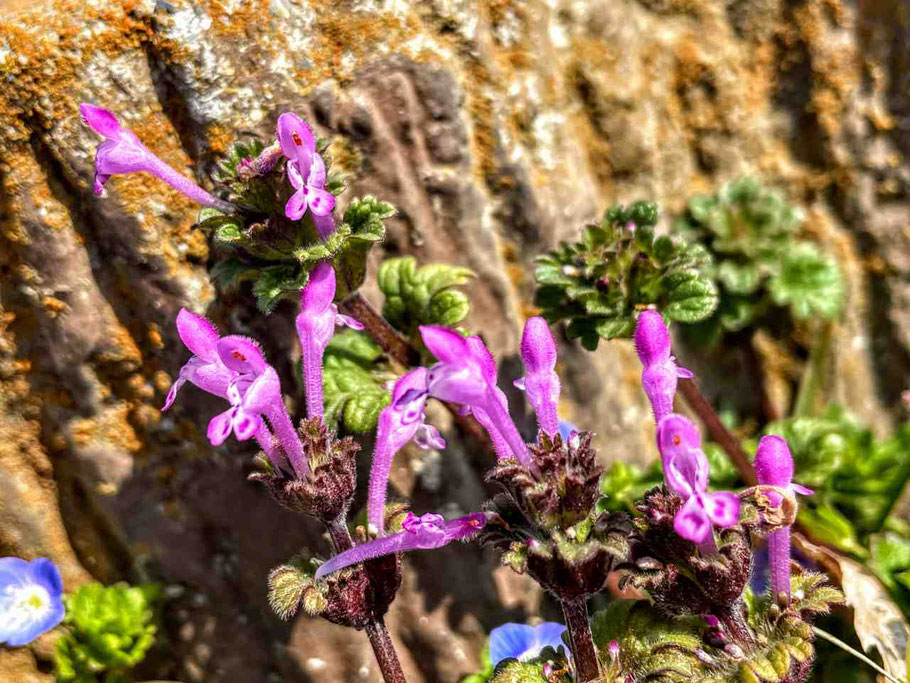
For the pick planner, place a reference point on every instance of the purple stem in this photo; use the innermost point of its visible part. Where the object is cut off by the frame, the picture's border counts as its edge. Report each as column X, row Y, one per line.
column 286, row 434
column 779, row 560
column 584, row 655
column 186, row 186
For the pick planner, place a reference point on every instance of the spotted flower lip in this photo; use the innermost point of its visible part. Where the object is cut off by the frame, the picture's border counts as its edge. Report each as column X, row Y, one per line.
column 31, row 599
column 540, row 383
column 122, row 152
column 466, row 375
column 425, row 532
column 686, row 474
column 523, row 642
column 234, row 368
column 315, row 326
column 399, row 422
column 306, row 173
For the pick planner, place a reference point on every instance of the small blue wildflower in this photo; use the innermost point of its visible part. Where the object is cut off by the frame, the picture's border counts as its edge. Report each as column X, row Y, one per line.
column 30, row 599
column 566, row 430
column 522, row 642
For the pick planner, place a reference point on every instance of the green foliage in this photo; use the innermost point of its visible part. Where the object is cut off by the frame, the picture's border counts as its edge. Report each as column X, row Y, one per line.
column 354, row 379
column 261, row 245
column 671, row 649
column 531, row 671
column 891, row 562
column 599, row 282
column 857, row 478
column 110, row 630
column 758, row 261
column 422, row 296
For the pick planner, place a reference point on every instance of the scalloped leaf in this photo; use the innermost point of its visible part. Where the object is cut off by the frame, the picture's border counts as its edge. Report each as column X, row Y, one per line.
column 354, row 380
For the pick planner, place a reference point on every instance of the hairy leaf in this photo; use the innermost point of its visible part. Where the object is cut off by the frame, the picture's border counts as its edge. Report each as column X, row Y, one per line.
column 354, row 379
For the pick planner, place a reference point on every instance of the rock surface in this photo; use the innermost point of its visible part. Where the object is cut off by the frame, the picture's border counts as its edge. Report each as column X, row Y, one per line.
column 497, row 128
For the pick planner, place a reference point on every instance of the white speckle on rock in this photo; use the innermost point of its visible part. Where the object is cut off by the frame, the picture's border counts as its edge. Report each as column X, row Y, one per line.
column 314, row 665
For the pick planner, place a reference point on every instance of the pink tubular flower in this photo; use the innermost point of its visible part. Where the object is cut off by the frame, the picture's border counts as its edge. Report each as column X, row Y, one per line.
column 774, row 467
column 315, row 325
column 122, row 152
column 418, row 533
column 686, row 474
column 466, row 375
column 306, row 173
column 660, row 373
column 399, row 422
column 540, row 383
column 234, row 369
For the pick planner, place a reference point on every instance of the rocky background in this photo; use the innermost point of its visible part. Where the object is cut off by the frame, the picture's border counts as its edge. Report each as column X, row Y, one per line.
column 497, row 128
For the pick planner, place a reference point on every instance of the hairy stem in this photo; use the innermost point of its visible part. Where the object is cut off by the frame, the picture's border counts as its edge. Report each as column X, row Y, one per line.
column 735, row 624
column 183, row 184
column 718, row 432
column 575, row 613
column 388, row 338
column 380, row 640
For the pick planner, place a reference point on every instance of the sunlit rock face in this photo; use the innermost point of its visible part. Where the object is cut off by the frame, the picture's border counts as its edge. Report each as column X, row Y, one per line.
column 496, row 128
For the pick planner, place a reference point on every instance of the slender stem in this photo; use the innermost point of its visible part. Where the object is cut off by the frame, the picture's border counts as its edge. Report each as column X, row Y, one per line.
column 735, row 624
column 380, row 640
column 813, row 378
column 391, row 341
column 856, row 653
column 384, row 651
column 718, row 432
column 575, row 613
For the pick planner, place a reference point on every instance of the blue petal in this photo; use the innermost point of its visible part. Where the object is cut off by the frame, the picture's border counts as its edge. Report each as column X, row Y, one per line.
column 548, row 633
column 13, row 571
column 510, row 641
column 35, row 628
column 45, row 574
column 518, row 641
column 566, row 429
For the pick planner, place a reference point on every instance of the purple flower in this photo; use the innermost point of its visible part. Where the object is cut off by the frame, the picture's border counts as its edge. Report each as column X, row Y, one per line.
column 418, row 533
column 30, row 599
column 234, row 368
column 122, row 152
column 306, row 173
column 774, row 467
column 523, row 642
column 660, row 373
column 315, row 326
column 466, row 375
column 541, row 383
column 686, row 474
column 399, row 422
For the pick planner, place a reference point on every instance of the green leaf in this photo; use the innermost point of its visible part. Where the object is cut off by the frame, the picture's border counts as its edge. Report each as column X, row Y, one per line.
column 354, row 379
column 109, row 631
column 422, row 296
column 808, row 283
column 691, row 296
column 739, row 278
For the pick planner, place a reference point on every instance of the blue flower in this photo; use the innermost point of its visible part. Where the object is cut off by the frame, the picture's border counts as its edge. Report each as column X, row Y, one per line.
column 521, row 642
column 566, row 430
column 30, row 599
